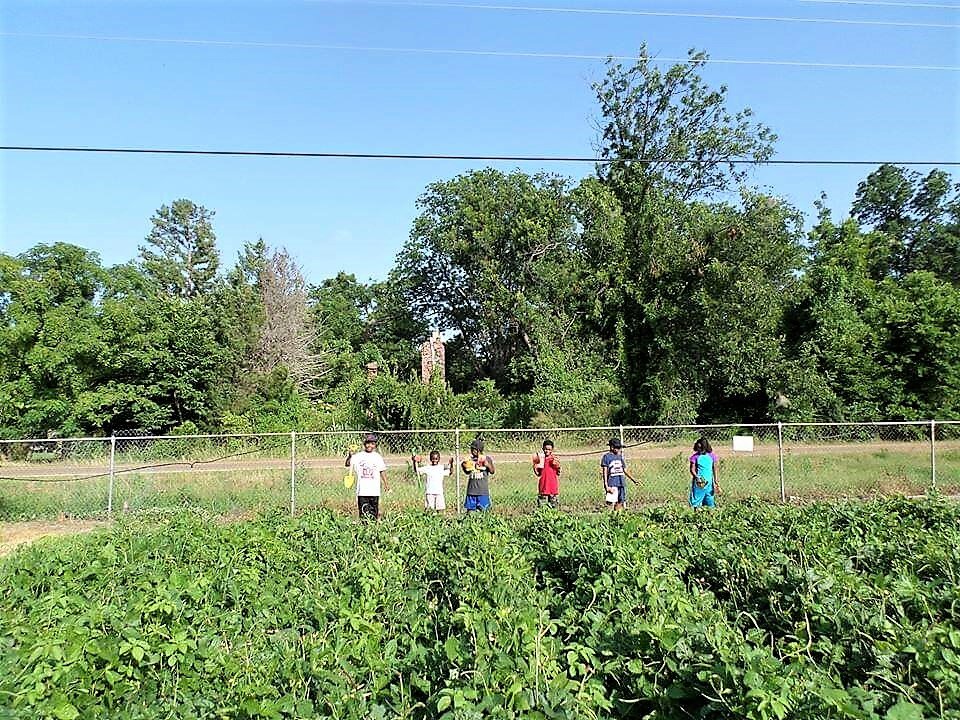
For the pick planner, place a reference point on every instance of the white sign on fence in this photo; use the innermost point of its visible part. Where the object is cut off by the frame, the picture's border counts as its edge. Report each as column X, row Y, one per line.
column 743, row 443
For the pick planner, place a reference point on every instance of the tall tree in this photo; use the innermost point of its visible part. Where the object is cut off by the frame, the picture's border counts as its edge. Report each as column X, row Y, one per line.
column 837, row 324
column 392, row 328
column 50, row 340
column 921, row 322
column 704, row 300
column 341, row 305
column 359, row 322
column 882, row 346
column 486, row 259
column 672, row 140
column 669, row 128
column 237, row 305
column 181, row 253
column 915, row 219
column 287, row 335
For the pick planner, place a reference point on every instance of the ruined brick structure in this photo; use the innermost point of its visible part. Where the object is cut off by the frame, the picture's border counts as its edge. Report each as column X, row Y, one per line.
column 433, row 358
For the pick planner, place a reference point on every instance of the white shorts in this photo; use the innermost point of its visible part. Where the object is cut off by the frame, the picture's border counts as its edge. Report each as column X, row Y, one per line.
column 434, row 502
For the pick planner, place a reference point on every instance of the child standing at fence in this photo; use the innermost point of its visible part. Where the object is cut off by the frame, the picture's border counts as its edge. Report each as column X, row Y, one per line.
column 704, row 475
column 614, row 473
column 478, row 469
column 546, row 467
column 371, row 472
column 434, row 473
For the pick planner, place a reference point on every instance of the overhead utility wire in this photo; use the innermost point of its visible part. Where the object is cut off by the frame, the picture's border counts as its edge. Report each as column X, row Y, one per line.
column 492, row 158
column 644, row 13
column 883, row 3
column 482, row 53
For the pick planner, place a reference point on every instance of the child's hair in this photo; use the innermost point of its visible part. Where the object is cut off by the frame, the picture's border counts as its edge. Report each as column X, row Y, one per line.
column 434, row 452
column 545, row 443
column 705, row 446
column 697, row 446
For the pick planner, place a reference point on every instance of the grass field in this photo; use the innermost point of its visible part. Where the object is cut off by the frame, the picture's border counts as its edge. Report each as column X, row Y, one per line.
column 842, row 610
column 262, row 480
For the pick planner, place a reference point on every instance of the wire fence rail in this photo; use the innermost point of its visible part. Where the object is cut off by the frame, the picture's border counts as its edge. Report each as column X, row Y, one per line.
column 781, row 462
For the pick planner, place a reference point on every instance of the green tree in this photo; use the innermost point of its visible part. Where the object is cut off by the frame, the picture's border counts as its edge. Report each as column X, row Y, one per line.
column 50, row 340
column 486, row 259
column 671, row 130
column 915, row 220
column 702, row 337
column 88, row 350
column 359, row 322
column 684, row 273
column 836, row 324
column 270, row 402
column 572, row 386
column 881, row 347
column 885, row 349
column 164, row 361
column 181, row 252
column 393, row 328
column 341, row 305
column 378, row 403
column 238, row 306
column 921, row 353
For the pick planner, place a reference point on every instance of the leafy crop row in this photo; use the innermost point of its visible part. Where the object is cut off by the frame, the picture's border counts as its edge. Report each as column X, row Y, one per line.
column 834, row 611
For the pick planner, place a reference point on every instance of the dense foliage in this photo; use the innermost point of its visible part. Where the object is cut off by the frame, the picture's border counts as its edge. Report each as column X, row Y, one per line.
column 646, row 294
column 844, row 611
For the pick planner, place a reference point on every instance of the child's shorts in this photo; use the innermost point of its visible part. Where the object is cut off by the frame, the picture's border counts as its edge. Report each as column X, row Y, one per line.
column 477, row 502
column 368, row 506
column 621, row 495
column 700, row 497
column 434, row 502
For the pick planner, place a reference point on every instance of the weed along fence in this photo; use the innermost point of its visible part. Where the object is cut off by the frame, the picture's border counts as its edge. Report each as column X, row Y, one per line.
column 89, row 477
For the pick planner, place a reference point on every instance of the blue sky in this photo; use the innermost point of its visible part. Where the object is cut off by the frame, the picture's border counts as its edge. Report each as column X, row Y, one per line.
column 354, row 215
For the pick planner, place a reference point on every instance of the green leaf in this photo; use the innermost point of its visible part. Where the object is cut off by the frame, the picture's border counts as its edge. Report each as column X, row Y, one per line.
column 65, row 711
column 905, row 710
column 452, row 648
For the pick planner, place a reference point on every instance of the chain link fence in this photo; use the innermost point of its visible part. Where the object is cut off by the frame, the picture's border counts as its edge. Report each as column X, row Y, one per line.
column 222, row 473
column 749, row 460
column 946, row 457
column 55, row 477
column 856, row 460
column 229, row 474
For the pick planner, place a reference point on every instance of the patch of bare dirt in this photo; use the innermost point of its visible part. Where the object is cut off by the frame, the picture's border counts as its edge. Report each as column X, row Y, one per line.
column 15, row 534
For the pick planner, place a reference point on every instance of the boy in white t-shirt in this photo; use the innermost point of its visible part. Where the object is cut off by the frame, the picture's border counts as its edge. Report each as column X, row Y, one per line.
column 370, row 470
column 434, row 473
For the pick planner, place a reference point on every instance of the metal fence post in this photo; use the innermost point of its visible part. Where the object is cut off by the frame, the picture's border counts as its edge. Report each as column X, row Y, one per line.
column 622, row 441
column 293, row 472
column 113, row 457
column 783, row 487
column 933, row 455
column 456, row 444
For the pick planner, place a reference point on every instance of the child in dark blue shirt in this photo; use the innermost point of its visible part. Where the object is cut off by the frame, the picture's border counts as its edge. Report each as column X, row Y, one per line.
column 613, row 472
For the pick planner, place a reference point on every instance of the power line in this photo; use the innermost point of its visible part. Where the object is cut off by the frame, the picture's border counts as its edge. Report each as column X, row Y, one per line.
column 644, row 13
column 490, row 158
column 480, row 53
column 883, row 3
